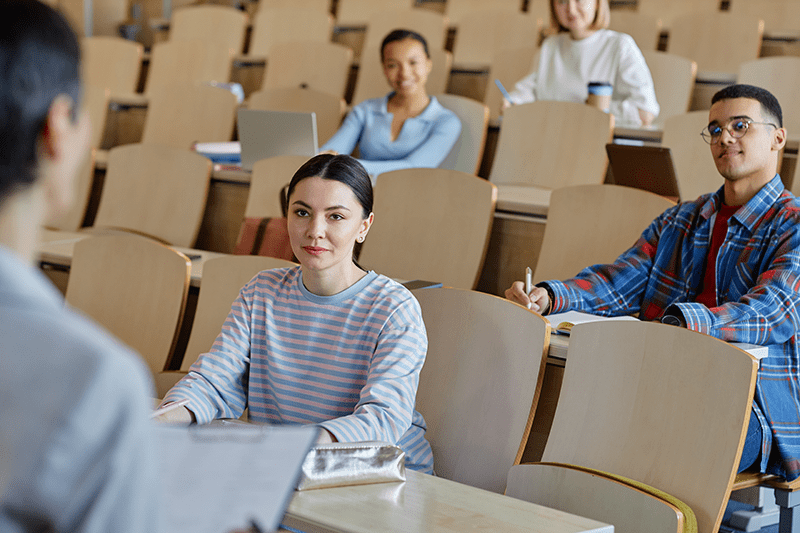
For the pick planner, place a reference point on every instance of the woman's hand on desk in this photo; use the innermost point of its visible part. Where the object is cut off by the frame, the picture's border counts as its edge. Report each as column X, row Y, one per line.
column 538, row 298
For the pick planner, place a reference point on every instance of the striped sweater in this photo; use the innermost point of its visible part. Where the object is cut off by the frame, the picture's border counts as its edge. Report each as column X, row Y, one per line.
column 348, row 362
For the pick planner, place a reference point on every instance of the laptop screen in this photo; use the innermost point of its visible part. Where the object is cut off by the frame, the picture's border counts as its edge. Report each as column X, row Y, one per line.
column 267, row 133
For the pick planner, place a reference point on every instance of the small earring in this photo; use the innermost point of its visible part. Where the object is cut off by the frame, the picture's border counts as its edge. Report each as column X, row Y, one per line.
column 360, row 239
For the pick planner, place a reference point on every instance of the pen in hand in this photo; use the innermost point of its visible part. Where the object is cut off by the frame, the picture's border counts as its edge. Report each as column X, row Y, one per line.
column 168, row 407
column 528, row 286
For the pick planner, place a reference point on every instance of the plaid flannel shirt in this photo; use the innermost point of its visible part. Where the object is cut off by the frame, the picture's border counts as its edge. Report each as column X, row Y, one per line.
column 758, row 277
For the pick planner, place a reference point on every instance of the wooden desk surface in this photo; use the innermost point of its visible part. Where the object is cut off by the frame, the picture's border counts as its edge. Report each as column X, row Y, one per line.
column 57, row 248
column 426, row 504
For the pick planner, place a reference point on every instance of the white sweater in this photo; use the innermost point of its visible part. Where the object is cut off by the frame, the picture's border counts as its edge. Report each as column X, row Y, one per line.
column 566, row 67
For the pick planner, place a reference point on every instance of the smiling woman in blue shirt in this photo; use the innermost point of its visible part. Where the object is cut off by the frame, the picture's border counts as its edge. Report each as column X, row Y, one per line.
column 407, row 128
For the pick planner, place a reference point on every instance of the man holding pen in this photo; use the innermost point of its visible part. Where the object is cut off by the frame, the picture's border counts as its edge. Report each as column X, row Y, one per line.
column 726, row 264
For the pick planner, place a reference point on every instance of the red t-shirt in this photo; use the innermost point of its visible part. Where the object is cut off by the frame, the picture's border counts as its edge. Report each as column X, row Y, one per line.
column 708, row 291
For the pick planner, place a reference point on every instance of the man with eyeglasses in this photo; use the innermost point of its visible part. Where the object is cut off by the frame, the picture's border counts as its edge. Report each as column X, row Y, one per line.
column 726, row 264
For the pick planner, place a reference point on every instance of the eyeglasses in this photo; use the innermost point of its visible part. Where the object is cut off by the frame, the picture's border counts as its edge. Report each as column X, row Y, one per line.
column 736, row 128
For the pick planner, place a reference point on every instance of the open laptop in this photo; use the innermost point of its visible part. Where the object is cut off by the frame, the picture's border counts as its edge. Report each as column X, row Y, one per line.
column 643, row 167
column 266, row 133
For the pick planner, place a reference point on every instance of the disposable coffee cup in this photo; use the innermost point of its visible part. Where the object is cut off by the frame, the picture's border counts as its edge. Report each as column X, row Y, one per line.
column 600, row 95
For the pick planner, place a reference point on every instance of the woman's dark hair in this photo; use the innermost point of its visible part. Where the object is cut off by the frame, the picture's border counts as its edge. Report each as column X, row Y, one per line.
column 39, row 60
column 399, row 35
column 341, row 168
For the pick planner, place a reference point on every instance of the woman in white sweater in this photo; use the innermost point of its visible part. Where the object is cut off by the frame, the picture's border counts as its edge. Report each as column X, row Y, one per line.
column 583, row 50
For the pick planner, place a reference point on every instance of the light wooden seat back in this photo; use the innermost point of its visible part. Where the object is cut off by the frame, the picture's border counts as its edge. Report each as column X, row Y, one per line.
column 482, row 33
column 219, row 24
column 106, row 15
column 537, row 144
column 643, row 27
column 187, row 63
column 657, row 404
column 779, row 75
column 673, row 79
column 112, row 62
column 329, row 108
column 540, row 11
column 456, row 10
column 358, row 12
column 509, row 66
column 704, row 36
column 273, row 25
column 134, row 287
column 593, row 224
column 269, row 178
column 670, row 10
column 323, row 6
column 371, row 81
column 321, row 66
column 72, row 219
column 695, row 170
column 431, row 25
column 181, row 115
column 431, row 224
column 155, row 190
column 95, row 102
column 779, row 16
column 480, row 384
column 593, row 495
column 467, row 153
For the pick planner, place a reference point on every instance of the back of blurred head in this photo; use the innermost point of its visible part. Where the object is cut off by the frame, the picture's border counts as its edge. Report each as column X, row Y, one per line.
column 40, row 92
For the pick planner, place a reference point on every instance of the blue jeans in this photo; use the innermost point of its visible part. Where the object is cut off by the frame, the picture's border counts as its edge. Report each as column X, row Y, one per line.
column 752, row 444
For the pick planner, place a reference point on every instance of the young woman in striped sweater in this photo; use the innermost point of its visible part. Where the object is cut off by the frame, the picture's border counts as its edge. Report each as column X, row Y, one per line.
column 325, row 343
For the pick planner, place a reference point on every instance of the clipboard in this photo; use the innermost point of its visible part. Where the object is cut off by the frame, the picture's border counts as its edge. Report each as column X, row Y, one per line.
column 228, row 477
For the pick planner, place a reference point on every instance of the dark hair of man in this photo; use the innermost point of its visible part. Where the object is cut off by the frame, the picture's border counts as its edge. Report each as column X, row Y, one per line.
column 341, row 168
column 769, row 104
column 399, row 35
column 39, row 60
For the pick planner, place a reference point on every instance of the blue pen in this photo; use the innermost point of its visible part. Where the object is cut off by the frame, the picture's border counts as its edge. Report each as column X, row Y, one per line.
column 503, row 91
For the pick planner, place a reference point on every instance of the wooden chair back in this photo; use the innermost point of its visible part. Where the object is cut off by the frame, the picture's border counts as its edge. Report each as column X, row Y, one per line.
column 537, row 144
column 273, row 25
column 321, row 66
column 593, row 224
column 594, row 495
column 134, row 287
column 329, row 108
column 223, row 25
column 356, row 13
column 670, row 10
column 482, row 33
column 106, row 15
column 643, row 27
column 467, row 153
column 703, row 36
column 323, row 6
column 480, row 385
column 424, row 210
column 430, row 24
column 187, row 63
column 779, row 75
column 181, row 115
column 112, row 62
column 673, row 79
column 694, row 166
column 155, row 190
column 456, row 10
column 268, row 179
column 780, row 16
column 95, row 102
column 72, row 219
column 371, row 81
column 657, row 404
column 509, row 66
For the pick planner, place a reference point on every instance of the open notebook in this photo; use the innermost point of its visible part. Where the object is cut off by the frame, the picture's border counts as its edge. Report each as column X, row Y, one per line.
column 228, row 477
